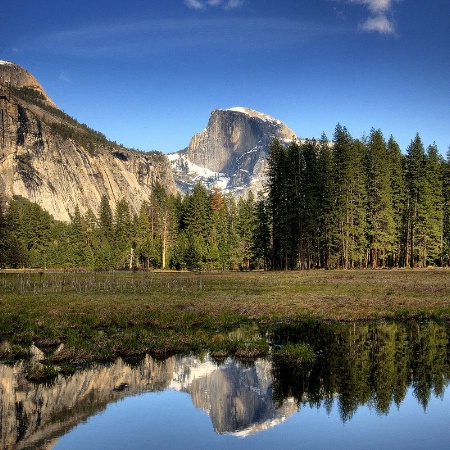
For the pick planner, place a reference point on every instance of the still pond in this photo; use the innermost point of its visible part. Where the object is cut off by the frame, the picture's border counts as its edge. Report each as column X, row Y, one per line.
column 367, row 386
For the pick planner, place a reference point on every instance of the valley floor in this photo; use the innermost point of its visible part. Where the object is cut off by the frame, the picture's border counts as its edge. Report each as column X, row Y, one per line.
column 99, row 316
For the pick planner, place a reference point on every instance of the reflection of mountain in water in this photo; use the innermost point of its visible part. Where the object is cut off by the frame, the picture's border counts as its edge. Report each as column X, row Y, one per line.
column 33, row 415
column 237, row 398
column 364, row 364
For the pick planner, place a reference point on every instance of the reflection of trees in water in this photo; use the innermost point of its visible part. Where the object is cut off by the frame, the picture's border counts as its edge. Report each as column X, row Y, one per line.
column 364, row 364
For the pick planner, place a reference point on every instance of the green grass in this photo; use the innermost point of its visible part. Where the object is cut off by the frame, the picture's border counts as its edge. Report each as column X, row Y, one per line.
column 99, row 316
column 294, row 353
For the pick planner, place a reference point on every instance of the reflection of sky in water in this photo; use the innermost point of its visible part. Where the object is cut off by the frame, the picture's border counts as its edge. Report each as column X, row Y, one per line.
column 169, row 420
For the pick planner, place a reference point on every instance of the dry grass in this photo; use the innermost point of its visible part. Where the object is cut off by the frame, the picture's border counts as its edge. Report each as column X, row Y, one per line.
column 104, row 315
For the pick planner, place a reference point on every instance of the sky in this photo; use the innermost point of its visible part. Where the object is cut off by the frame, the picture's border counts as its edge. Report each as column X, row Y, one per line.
column 148, row 73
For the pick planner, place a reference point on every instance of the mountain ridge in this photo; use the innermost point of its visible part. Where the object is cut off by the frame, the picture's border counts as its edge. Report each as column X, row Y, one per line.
column 49, row 158
column 230, row 152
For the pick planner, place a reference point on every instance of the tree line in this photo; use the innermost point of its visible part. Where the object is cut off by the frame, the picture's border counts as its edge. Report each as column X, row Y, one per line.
column 349, row 203
column 358, row 203
column 204, row 230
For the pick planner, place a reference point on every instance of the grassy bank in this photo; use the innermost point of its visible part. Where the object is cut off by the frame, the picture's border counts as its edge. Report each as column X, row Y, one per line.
column 104, row 315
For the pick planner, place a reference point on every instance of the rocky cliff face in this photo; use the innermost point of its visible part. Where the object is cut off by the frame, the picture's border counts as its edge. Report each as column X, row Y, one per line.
column 50, row 159
column 231, row 152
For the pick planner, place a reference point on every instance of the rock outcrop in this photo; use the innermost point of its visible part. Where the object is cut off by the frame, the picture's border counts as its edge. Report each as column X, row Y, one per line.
column 52, row 160
column 231, row 152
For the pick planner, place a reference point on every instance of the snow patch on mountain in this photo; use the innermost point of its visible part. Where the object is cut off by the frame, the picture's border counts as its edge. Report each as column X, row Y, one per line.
column 252, row 113
column 187, row 174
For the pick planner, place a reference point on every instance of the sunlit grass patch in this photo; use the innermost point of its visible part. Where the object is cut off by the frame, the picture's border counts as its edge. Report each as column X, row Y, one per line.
column 294, row 353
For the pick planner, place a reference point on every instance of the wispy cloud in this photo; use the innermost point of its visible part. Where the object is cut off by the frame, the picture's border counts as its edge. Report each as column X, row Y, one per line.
column 224, row 4
column 375, row 6
column 161, row 36
column 194, row 4
column 64, row 77
column 380, row 19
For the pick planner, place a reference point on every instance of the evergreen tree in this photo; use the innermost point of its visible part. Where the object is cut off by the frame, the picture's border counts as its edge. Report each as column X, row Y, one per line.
column 246, row 225
column 218, row 242
column 123, row 234
column 164, row 225
column 433, row 214
column 350, row 194
column 416, row 187
column 380, row 211
column 446, row 210
column 279, row 204
column 398, row 195
column 105, row 219
column 77, row 241
column 311, row 198
column 143, row 236
column 30, row 234
column 326, row 220
column 261, row 243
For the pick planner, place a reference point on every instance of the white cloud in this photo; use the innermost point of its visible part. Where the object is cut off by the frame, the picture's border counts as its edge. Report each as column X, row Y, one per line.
column 379, row 23
column 376, row 6
column 224, row 4
column 380, row 19
column 194, row 4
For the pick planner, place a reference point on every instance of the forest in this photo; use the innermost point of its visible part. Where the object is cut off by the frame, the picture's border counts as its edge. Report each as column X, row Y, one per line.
column 350, row 203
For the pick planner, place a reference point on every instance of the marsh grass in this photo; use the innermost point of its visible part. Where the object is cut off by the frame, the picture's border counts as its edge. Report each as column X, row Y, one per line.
column 294, row 354
column 99, row 316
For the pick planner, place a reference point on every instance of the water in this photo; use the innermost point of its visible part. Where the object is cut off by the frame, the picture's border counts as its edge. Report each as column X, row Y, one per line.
column 368, row 386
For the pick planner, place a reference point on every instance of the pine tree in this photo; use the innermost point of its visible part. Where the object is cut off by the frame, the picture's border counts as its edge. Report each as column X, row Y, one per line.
column 446, row 211
column 398, row 193
column 77, row 241
column 350, row 186
column 311, row 200
column 218, row 241
column 326, row 203
column 143, row 236
column 279, row 203
column 261, row 244
column 433, row 200
column 381, row 225
column 164, row 224
column 246, row 224
column 123, row 234
column 105, row 220
column 416, row 187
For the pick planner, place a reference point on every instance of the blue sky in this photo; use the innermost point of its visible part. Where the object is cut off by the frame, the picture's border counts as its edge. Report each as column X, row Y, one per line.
column 148, row 73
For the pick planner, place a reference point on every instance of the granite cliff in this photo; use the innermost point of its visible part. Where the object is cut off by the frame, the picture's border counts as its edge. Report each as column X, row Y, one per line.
column 49, row 158
column 230, row 152
column 58, row 163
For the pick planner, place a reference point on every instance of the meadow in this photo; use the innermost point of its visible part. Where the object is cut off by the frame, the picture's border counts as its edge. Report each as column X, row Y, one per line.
column 77, row 317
